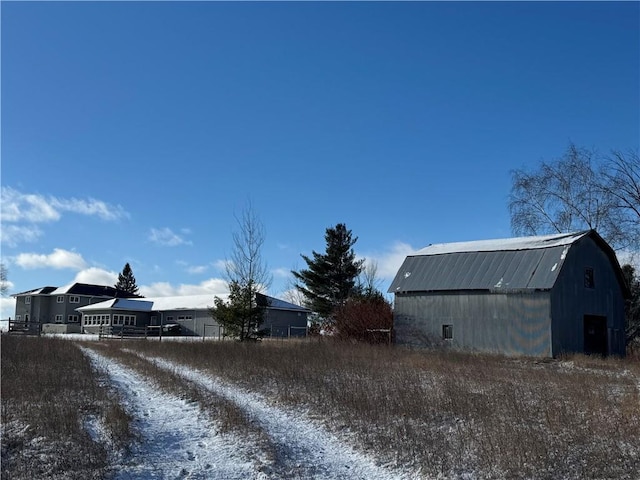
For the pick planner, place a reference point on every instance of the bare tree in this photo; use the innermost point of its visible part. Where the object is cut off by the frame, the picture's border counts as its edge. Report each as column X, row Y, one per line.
column 369, row 280
column 621, row 184
column 246, row 274
column 581, row 190
column 246, row 264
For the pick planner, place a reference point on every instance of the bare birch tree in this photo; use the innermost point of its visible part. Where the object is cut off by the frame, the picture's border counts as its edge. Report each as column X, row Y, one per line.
column 579, row 191
column 246, row 274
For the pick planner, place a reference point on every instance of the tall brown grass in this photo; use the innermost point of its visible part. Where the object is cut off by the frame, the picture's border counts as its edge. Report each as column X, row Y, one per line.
column 49, row 391
column 446, row 413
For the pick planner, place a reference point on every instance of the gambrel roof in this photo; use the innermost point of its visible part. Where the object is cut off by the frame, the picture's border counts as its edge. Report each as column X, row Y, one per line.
column 512, row 264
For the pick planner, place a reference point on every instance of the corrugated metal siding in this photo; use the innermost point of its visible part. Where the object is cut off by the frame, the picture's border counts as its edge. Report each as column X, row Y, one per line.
column 513, row 324
column 535, row 269
column 571, row 300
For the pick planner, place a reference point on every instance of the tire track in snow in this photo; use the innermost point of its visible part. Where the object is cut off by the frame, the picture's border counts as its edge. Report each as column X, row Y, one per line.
column 305, row 450
column 178, row 441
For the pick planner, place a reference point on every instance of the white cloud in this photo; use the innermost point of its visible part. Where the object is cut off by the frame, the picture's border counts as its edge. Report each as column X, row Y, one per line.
column 7, row 308
column 389, row 262
column 196, row 269
column 13, row 235
column 58, row 259
column 212, row 286
column 220, row 265
column 20, row 212
column 281, row 272
column 35, row 208
column 96, row 276
column 32, row 208
column 167, row 238
column 90, row 207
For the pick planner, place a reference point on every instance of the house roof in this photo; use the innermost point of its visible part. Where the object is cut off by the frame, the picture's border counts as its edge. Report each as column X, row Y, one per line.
column 36, row 291
column 185, row 302
column 85, row 289
column 277, row 304
column 512, row 264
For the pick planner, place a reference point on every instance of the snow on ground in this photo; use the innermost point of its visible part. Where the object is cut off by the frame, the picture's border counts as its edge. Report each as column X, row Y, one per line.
column 178, row 441
column 305, row 450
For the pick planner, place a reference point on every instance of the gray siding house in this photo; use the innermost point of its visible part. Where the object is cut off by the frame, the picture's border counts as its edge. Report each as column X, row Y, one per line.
column 539, row 296
column 191, row 312
column 53, row 309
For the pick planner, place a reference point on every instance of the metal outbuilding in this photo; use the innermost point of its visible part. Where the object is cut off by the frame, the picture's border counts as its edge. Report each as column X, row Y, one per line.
column 540, row 296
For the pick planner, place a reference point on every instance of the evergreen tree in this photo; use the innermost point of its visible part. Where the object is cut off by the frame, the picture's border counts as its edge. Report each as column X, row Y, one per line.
column 331, row 277
column 127, row 282
column 240, row 315
column 632, row 305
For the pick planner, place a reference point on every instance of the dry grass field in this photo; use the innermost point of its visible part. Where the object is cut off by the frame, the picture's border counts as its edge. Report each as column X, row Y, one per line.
column 441, row 414
column 50, row 399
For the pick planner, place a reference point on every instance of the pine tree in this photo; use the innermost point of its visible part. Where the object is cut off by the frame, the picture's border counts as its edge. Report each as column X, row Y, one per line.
column 241, row 315
column 127, row 282
column 331, row 277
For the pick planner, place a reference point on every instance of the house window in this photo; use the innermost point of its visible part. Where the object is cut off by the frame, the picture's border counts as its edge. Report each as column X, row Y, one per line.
column 589, row 280
column 74, row 299
column 58, row 318
column 182, row 318
column 27, row 300
column 72, row 319
column 169, row 319
column 447, row 332
column 60, row 299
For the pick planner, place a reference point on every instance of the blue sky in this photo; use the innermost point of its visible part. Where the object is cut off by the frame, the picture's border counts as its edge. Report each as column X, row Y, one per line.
column 134, row 132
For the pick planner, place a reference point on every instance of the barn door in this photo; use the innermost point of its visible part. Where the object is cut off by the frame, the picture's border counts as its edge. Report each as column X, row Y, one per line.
column 595, row 335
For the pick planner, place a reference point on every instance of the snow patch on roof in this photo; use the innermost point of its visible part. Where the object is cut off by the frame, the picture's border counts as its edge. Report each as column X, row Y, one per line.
column 503, row 244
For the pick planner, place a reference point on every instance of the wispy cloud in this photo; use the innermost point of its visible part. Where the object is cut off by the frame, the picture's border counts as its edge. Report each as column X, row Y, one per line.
column 14, row 235
column 213, row 286
column 167, row 238
column 36, row 208
column 58, row 259
column 20, row 212
column 196, row 269
column 220, row 265
column 281, row 272
column 389, row 261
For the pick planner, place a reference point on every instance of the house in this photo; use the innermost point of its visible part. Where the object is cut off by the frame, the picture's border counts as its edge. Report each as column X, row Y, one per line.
column 191, row 312
column 283, row 319
column 540, row 296
column 53, row 309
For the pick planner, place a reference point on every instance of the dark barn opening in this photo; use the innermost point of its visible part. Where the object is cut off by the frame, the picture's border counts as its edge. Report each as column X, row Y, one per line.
column 595, row 335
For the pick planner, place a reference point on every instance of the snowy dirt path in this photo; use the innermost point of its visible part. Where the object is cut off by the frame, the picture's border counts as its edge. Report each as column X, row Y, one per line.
column 178, row 441
column 304, row 449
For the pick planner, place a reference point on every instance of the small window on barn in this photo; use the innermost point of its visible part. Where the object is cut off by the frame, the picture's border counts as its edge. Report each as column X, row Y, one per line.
column 60, row 299
column 27, row 300
column 447, row 332
column 589, row 281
